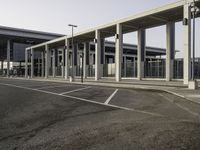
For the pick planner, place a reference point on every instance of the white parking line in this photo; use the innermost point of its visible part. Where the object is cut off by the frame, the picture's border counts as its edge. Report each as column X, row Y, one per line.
column 50, row 87
column 180, row 106
column 74, row 90
column 111, row 96
column 85, row 100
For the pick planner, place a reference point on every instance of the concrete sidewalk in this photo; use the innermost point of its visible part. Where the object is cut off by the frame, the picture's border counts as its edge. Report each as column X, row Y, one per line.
column 174, row 87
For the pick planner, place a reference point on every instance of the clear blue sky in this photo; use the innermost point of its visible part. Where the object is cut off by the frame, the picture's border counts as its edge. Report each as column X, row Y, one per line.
column 55, row 15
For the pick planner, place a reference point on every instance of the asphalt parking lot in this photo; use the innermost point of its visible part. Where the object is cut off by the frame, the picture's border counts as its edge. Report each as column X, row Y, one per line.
column 40, row 115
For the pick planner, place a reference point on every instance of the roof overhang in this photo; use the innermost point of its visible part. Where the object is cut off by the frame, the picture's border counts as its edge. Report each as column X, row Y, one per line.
column 153, row 18
column 26, row 36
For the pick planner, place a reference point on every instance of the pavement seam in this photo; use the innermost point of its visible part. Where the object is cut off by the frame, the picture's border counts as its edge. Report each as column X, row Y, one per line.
column 76, row 90
column 50, row 87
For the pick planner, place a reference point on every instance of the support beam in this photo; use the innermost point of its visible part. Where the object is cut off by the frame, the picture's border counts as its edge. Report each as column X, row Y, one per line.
column 170, row 51
column 46, row 61
column 26, row 63
column 63, row 63
column 42, row 58
column 74, row 62
column 159, row 18
column 141, row 53
column 97, row 55
column 187, row 44
column 8, row 57
column 85, row 61
column 54, row 63
column 32, row 62
column 2, row 66
column 118, row 52
column 66, row 59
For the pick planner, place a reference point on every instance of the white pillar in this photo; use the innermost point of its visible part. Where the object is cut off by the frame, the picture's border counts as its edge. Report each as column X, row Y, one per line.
column 8, row 58
column 170, row 51
column 2, row 67
column 66, row 59
column 74, row 62
column 46, row 61
column 141, row 53
column 32, row 62
column 118, row 52
column 54, row 63
column 42, row 58
column 63, row 62
column 85, row 59
column 26, row 63
column 97, row 55
column 187, row 44
column 134, row 67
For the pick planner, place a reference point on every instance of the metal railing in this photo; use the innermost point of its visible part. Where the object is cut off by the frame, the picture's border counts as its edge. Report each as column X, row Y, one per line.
column 129, row 69
column 155, row 68
column 178, row 69
column 152, row 69
column 91, row 70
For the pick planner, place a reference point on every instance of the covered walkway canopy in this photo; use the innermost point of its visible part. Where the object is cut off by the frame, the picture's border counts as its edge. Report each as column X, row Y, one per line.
column 166, row 15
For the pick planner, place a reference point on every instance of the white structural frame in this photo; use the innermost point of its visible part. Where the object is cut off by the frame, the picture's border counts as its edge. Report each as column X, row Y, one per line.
column 130, row 24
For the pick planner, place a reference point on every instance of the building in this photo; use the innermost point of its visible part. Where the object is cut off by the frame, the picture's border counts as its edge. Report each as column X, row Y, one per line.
column 13, row 43
column 167, row 68
column 57, row 60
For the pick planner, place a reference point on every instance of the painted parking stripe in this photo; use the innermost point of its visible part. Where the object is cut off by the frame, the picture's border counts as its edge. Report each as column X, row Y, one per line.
column 111, row 96
column 180, row 106
column 76, row 90
column 85, row 100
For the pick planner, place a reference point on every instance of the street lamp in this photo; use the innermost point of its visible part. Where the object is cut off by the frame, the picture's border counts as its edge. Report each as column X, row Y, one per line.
column 72, row 26
column 194, row 11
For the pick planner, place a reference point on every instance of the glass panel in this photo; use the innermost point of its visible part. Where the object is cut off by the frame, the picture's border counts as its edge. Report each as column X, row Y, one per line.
column 91, row 70
column 109, row 70
column 197, row 68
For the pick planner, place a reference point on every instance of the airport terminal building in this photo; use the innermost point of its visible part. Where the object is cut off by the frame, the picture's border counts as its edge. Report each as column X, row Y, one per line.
column 13, row 43
column 89, row 55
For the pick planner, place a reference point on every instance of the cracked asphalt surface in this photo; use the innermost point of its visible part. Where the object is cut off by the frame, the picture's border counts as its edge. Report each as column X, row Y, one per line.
column 32, row 119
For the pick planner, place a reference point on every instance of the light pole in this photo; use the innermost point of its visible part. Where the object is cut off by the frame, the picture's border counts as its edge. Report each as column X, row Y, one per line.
column 72, row 26
column 194, row 11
